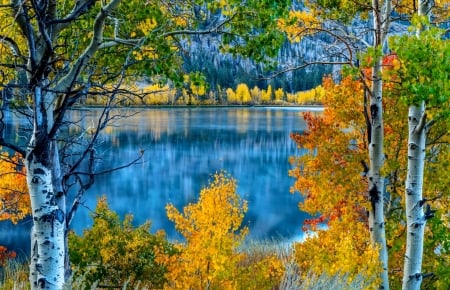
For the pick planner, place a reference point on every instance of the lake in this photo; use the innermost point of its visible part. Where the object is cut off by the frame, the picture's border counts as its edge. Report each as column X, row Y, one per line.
column 183, row 148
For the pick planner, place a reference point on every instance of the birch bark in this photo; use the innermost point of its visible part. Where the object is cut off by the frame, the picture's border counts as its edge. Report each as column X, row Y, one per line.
column 415, row 218
column 376, row 180
column 381, row 20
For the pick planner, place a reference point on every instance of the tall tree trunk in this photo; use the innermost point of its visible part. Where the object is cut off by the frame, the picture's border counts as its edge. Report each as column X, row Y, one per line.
column 48, row 235
column 376, row 181
column 415, row 217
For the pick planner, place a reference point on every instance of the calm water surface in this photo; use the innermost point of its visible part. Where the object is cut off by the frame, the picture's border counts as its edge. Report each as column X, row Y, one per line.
column 183, row 148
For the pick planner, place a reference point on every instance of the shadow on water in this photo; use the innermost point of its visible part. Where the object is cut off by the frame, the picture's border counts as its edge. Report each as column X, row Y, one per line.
column 183, row 147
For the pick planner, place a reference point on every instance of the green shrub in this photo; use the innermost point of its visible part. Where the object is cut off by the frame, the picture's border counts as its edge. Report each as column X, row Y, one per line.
column 113, row 253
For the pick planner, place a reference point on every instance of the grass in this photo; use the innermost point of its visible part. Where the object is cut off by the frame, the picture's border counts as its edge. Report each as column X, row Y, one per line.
column 14, row 276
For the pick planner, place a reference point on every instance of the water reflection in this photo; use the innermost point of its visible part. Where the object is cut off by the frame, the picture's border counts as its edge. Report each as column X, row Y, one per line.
column 183, row 147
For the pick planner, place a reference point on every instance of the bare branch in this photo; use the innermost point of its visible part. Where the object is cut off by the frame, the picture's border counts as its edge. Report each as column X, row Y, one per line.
column 81, row 7
column 97, row 38
column 9, row 42
column 303, row 66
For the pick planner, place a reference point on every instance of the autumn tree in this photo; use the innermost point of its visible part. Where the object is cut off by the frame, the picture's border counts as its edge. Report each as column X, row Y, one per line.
column 328, row 18
column 213, row 231
column 333, row 181
column 363, row 52
column 424, row 86
column 54, row 54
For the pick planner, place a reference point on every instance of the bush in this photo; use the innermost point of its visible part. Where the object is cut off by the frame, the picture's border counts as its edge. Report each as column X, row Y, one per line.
column 114, row 253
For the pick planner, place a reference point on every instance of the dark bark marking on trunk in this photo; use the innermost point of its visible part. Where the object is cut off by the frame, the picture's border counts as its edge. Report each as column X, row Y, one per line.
column 366, row 167
column 373, row 196
column 373, row 111
column 38, row 171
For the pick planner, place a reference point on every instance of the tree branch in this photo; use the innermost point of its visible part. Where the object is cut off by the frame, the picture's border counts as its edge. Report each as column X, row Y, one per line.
column 421, row 125
column 97, row 38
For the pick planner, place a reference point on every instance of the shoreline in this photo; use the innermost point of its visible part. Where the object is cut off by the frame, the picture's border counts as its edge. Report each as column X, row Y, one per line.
column 317, row 106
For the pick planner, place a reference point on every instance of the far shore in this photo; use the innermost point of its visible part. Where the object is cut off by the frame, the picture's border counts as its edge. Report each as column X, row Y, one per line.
column 316, row 106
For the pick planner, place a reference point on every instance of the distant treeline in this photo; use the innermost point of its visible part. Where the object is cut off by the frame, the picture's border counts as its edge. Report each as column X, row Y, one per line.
column 199, row 94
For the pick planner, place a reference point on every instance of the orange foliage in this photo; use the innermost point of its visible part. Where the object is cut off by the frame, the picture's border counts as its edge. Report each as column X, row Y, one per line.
column 5, row 255
column 331, row 177
column 390, row 63
column 14, row 198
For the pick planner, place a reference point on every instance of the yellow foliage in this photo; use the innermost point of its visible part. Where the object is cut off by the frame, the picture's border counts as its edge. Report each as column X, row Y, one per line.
column 147, row 25
column 14, row 199
column 243, row 94
column 256, row 94
column 266, row 95
column 199, row 90
column 231, row 96
column 212, row 229
column 299, row 24
column 279, row 93
column 114, row 252
column 209, row 258
column 313, row 96
column 342, row 249
column 157, row 94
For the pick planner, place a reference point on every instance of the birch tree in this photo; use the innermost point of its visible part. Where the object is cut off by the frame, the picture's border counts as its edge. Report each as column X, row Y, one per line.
column 424, row 84
column 330, row 19
column 54, row 54
column 364, row 56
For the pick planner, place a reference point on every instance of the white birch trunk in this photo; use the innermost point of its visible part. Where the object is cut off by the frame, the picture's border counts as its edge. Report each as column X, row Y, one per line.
column 376, row 181
column 48, row 259
column 415, row 217
column 47, row 235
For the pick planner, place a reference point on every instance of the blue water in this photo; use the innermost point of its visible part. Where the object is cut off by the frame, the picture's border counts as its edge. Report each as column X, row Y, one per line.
column 183, row 148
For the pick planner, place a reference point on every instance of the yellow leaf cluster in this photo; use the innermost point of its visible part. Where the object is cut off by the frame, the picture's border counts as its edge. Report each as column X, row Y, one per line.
column 210, row 257
column 341, row 249
column 212, row 230
column 156, row 94
column 313, row 96
column 145, row 52
column 279, row 94
column 299, row 24
column 147, row 25
column 266, row 95
column 14, row 198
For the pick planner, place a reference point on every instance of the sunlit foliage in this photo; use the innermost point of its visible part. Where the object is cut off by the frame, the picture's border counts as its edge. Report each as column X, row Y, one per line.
column 213, row 230
column 330, row 179
column 114, row 253
column 266, row 95
column 14, row 199
column 313, row 96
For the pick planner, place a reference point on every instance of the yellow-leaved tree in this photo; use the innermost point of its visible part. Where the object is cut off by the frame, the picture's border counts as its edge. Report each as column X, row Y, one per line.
column 213, row 231
column 58, row 54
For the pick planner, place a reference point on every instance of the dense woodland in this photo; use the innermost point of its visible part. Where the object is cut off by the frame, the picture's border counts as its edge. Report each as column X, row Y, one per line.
column 375, row 177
